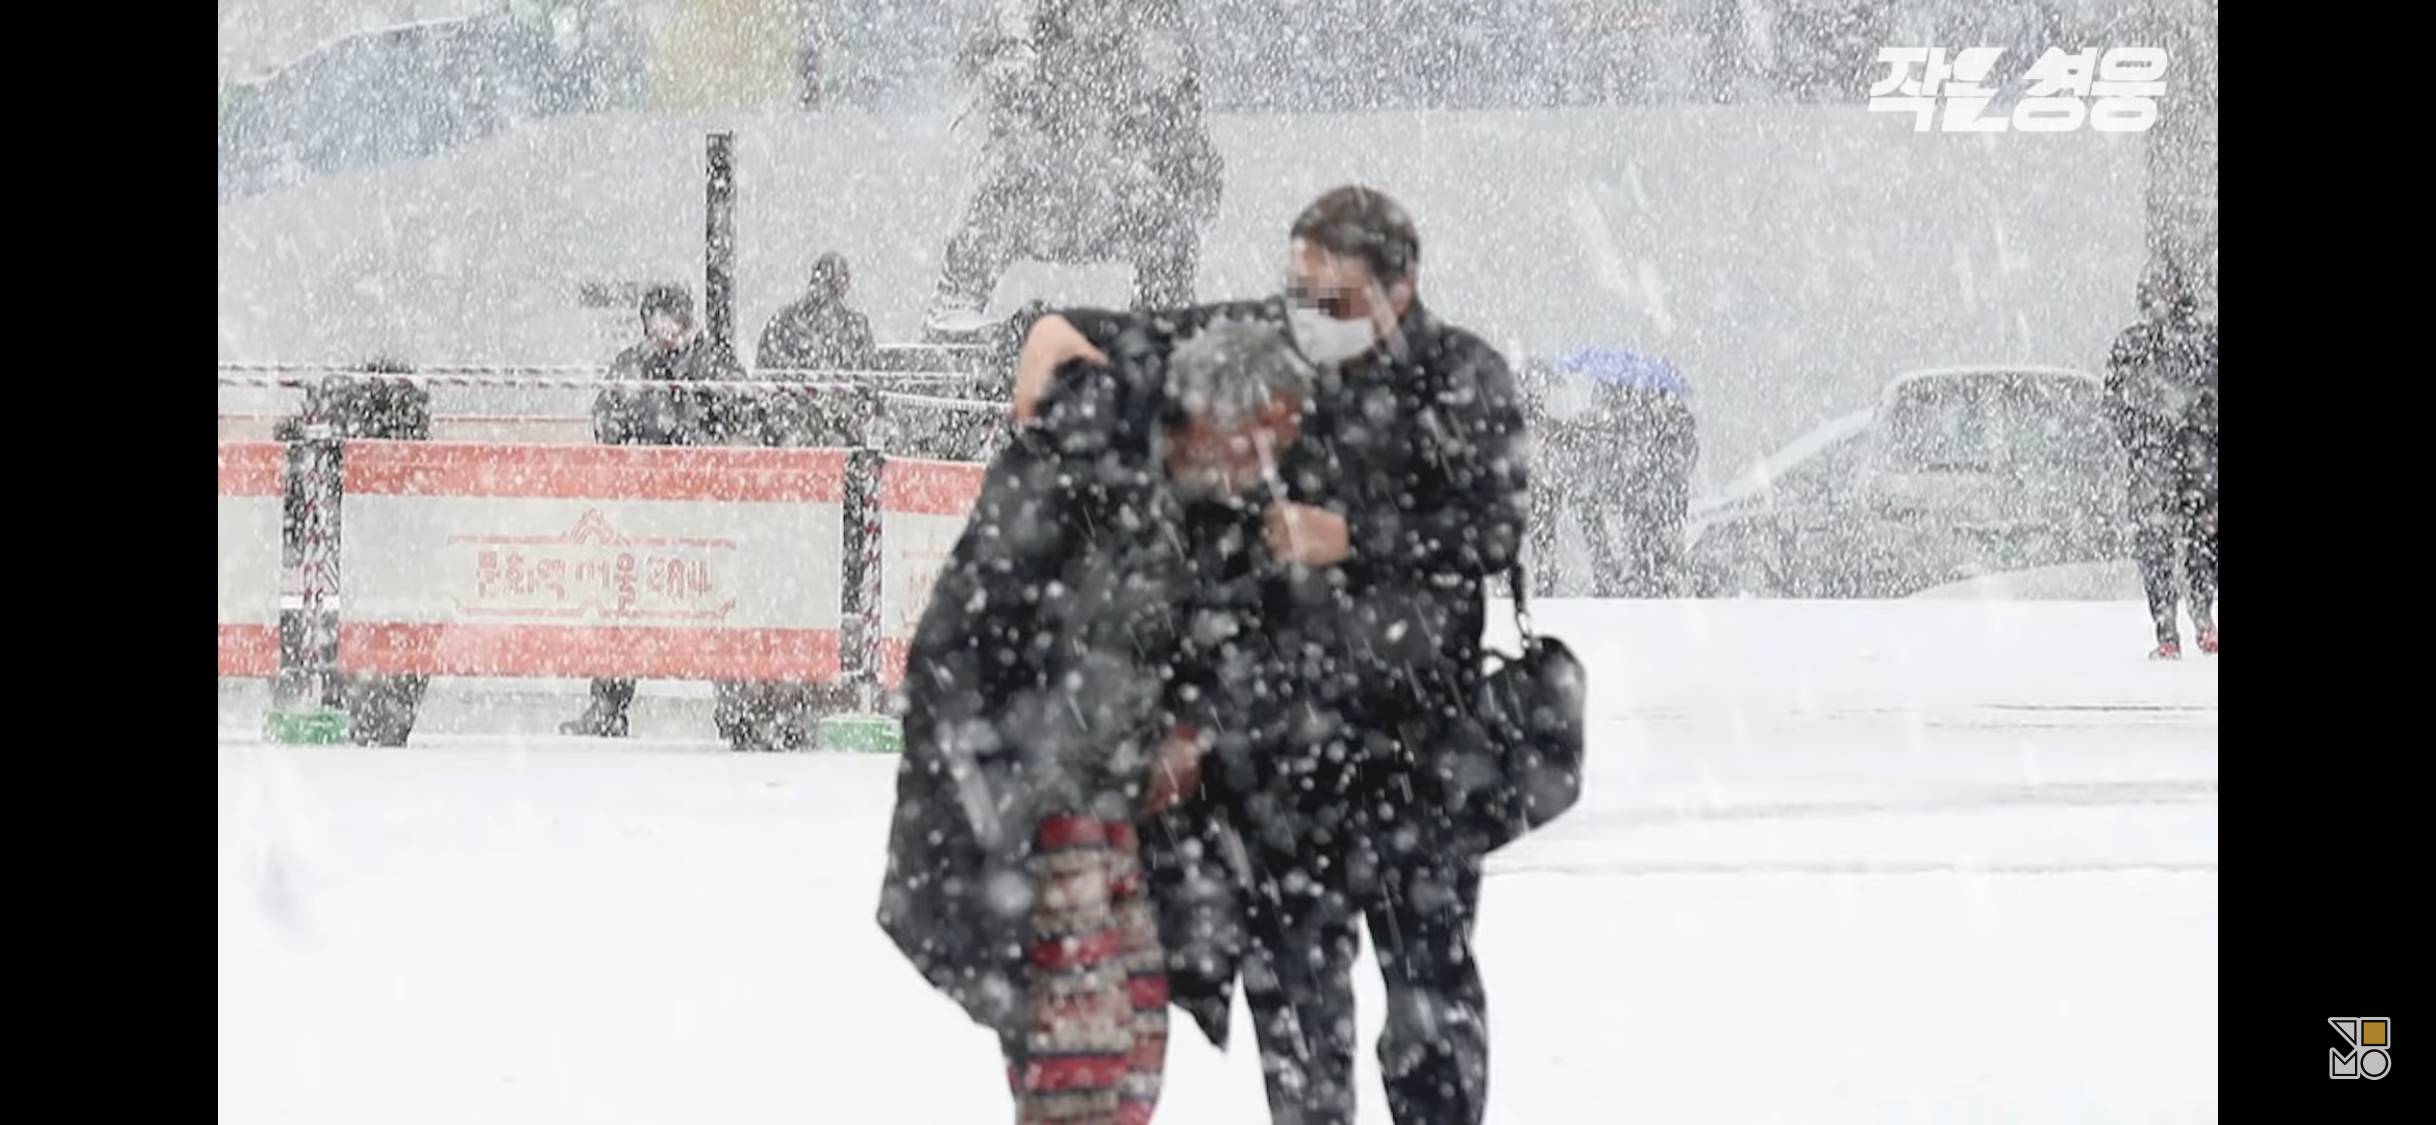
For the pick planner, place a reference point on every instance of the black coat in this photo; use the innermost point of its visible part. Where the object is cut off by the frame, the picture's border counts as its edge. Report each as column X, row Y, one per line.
column 1359, row 719
column 2161, row 382
column 1051, row 657
column 1333, row 694
column 671, row 416
column 817, row 332
column 1424, row 453
column 371, row 409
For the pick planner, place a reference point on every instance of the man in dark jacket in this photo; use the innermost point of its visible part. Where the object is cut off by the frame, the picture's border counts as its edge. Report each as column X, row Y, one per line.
column 818, row 333
column 380, row 708
column 1406, row 494
column 1062, row 677
column 674, row 351
column 807, row 341
column 2161, row 394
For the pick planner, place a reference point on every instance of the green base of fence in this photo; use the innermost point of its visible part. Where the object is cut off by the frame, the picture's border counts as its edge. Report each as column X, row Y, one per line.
column 321, row 726
column 862, row 734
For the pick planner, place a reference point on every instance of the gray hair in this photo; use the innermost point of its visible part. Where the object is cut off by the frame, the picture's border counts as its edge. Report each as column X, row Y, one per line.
column 1232, row 368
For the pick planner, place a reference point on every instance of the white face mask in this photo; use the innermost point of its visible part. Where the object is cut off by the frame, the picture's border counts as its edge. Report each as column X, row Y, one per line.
column 1325, row 339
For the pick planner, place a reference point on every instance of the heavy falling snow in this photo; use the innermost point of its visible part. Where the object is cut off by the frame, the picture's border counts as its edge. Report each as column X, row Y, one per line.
column 1871, row 479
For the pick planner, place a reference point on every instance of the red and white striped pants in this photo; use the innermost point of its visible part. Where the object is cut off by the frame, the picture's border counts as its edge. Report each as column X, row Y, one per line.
column 1095, row 1046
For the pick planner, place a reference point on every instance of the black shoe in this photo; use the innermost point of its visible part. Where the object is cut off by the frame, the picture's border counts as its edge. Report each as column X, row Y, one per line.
column 373, row 733
column 751, row 738
column 767, row 738
column 596, row 722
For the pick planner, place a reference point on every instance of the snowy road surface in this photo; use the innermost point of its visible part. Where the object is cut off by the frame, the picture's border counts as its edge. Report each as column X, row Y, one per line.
column 1884, row 862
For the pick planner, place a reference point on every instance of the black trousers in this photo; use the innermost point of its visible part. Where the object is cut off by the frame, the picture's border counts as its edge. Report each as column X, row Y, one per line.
column 1298, row 982
column 2173, row 493
column 749, row 716
column 381, row 709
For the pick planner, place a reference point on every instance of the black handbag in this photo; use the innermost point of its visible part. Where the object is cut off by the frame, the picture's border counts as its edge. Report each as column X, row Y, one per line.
column 1531, row 708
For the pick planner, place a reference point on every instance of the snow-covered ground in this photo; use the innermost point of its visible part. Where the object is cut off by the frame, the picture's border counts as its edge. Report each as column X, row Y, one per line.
column 1906, row 861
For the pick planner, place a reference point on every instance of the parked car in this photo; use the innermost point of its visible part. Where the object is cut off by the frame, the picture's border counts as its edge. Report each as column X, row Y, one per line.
column 1956, row 473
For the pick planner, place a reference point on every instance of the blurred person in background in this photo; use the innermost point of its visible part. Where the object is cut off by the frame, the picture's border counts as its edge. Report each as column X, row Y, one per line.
column 2161, row 395
column 750, row 716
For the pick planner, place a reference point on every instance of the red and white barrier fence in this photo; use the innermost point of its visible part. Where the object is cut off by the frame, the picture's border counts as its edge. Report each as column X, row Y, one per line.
column 657, row 563
column 517, row 560
column 253, row 480
column 922, row 511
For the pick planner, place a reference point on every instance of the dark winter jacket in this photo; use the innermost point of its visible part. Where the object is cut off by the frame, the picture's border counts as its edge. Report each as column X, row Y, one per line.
column 1052, row 657
column 817, row 333
column 384, row 411
column 2161, row 381
column 671, row 416
column 1423, row 452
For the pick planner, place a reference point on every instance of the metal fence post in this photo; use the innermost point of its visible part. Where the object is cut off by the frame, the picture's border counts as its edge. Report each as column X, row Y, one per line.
column 306, row 703
column 867, row 729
